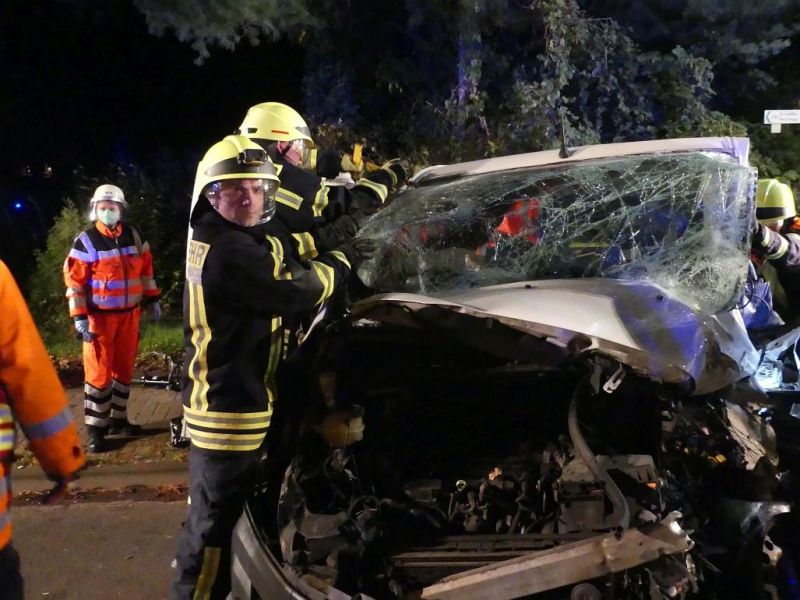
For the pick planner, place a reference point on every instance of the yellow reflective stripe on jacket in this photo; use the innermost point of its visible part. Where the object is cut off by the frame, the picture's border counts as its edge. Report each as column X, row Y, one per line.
column 201, row 336
column 226, row 420
column 275, row 351
column 320, row 201
column 783, row 248
column 326, row 276
column 278, row 271
column 381, row 190
column 229, row 431
column 288, row 198
column 340, row 255
column 306, row 248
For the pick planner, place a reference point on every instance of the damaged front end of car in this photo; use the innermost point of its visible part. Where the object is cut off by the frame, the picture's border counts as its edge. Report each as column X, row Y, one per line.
column 571, row 418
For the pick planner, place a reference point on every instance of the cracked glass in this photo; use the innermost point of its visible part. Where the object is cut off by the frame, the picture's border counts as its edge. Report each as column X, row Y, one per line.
column 679, row 220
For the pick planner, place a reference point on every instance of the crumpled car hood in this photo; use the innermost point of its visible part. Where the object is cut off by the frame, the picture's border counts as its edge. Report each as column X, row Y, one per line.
column 634, row 322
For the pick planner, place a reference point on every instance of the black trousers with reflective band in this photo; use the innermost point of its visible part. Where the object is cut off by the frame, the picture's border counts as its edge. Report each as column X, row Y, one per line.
column 11, row 584
column 218, row 486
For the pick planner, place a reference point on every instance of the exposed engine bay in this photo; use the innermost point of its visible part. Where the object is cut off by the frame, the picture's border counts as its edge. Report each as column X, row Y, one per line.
column 438, row 464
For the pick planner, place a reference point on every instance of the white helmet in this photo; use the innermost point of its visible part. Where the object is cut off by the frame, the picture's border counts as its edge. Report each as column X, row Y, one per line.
column 108, row 192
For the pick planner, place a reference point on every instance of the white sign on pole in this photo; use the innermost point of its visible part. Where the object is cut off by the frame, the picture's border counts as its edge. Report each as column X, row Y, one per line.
column 783, row 117
column 776, row 118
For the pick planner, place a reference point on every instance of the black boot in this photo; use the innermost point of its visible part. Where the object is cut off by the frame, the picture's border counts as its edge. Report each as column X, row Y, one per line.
column 124, row 427
column 97, row 439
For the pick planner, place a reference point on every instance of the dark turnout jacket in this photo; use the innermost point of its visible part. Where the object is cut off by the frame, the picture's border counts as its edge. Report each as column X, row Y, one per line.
column 322, row 216
column 240, row 284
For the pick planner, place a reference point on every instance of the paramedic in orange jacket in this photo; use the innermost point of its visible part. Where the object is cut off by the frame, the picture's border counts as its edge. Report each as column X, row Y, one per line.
column 109, row 275
column 31, row 395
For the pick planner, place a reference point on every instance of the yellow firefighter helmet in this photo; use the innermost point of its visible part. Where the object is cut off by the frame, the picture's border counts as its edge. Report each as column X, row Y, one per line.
column 275, row 122
column 235, row 157
column 774, row 201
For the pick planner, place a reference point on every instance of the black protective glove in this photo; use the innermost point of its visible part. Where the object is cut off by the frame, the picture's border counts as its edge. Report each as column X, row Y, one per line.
column 328, row 164
column 358, row 250
column 344, row 228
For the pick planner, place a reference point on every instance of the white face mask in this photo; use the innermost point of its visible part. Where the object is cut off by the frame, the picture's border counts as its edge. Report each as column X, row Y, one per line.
column 108, row 216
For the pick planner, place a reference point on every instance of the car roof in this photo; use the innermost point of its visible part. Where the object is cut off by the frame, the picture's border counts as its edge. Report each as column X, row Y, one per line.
column 738, row 148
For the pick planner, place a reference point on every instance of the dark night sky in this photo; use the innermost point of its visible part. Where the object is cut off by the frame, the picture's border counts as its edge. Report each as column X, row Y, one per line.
column 84, row 82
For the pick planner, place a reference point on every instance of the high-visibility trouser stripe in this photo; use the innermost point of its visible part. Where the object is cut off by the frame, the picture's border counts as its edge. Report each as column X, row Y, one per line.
column 380, row 190
column 325, row 274
column 306, row 248
column 201, row 337
column 48, row 427
column 208, row 573
column 5, row 413
column 320, row 201
column 275, row 347
column 119, row 400
column 96, row 405
column 782, row 249
column 278, row 270
column 288, row 198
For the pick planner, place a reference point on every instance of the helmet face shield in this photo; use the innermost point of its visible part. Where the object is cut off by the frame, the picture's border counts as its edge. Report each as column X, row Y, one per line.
column 238, row 180
column 245, row 202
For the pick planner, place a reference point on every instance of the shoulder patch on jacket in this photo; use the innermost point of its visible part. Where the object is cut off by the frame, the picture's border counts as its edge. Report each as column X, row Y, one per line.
column 195, row 258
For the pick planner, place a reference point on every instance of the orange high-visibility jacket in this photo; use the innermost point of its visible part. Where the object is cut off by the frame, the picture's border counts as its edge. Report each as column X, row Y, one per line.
column 108, row 271
column 31, row 393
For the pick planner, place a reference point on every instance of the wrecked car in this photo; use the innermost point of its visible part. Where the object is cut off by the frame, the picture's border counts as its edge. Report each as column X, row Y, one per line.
column 546, row 392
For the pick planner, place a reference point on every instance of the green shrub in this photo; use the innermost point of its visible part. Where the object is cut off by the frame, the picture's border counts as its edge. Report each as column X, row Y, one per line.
column 47, row 294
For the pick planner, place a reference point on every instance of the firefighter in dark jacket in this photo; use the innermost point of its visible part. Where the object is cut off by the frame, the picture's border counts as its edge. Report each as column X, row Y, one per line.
column 318, row 215
column 239, row 286
column 776, row 245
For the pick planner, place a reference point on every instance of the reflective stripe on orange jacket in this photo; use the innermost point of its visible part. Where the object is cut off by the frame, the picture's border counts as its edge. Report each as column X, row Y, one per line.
column 108, row 270
column 31, row 393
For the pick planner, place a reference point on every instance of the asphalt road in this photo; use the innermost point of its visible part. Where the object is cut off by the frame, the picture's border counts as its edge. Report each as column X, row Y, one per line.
column 97, row 550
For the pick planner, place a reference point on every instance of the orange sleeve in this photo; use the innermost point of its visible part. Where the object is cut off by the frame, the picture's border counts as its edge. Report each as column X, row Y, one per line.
column 148, row 278
column 35, row 394
column 76, row 277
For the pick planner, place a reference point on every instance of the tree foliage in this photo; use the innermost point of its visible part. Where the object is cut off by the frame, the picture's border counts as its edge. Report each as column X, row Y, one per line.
column 46, row 296
column 205, row 23
column 471, row 78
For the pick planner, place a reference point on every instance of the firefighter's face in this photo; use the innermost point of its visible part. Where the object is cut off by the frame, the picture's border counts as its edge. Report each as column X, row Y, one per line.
column 241, row 201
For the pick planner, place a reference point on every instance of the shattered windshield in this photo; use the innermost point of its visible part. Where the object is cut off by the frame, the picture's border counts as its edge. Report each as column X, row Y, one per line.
column 679, row 220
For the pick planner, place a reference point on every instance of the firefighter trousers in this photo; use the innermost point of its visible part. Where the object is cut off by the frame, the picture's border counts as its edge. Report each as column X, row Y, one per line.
column 218, row 488
column 108, row 365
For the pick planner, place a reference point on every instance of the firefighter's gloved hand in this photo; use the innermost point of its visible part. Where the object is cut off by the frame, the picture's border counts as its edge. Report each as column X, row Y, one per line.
column 82, row 327
column 358, row 250
column 399, row 170
column 157, row 312
column 344, row 228
column 328, row 164
column 348, row 165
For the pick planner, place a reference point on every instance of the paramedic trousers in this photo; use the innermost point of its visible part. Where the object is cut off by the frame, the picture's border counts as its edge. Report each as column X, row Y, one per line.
column 108, row 365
